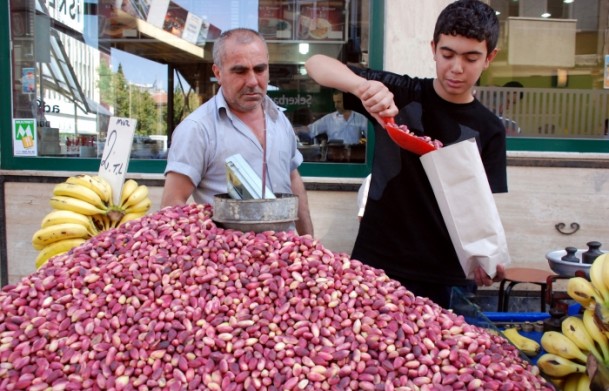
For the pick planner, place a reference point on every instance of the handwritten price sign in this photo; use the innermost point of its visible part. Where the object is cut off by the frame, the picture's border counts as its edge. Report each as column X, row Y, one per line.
column 117, row 151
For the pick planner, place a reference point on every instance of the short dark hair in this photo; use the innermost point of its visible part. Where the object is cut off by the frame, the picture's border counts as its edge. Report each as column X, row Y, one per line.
column 241, row 34
column 471, row 19
column 515, row 84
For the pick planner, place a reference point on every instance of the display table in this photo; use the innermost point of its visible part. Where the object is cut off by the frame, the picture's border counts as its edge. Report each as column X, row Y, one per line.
column 522, row 275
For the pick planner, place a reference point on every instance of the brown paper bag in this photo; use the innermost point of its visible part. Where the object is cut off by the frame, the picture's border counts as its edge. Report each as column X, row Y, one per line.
column 464, row 195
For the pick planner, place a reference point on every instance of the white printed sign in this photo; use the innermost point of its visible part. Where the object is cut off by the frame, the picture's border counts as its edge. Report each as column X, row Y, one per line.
column 117, row 151
column 69, row 12
column 157, row 12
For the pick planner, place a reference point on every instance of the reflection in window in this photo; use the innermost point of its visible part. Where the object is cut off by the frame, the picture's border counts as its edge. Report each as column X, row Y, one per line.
column 152, row 61
column 556, row 50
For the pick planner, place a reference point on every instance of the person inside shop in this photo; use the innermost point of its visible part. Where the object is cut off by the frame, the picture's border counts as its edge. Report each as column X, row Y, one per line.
column 402, row 230
column 241, row 119
column 341, row 126
column 301, row 118
column 504, row 105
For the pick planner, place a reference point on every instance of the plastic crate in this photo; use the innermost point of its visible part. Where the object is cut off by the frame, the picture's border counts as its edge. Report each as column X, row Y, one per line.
column 497, row 321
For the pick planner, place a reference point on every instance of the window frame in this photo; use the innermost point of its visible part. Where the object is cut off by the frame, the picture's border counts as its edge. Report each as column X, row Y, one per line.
column 157, row 166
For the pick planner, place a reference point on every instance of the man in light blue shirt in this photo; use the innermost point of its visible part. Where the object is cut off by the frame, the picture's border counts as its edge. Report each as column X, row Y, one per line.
column 342, row 125
column 242, row 119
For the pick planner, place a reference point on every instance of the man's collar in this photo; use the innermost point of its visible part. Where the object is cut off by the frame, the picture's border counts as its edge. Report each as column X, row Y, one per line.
column 267, row 104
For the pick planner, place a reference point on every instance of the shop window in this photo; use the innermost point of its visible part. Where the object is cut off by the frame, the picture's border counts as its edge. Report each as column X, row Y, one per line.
column 77, row 64
column 549, row 80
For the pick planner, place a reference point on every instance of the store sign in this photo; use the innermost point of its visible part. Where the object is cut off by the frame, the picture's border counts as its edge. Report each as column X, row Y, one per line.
column 68, row 12
column 285, row 100
column 44, row 106
column 24, row 137
column 292, row 100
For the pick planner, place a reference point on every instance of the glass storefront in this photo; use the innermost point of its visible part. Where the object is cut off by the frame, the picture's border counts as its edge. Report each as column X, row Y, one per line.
column 549, row 79
column 151, row 60
column 77, row 63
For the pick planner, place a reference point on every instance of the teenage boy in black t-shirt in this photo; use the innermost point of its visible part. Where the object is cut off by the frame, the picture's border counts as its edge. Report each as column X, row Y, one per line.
column 402, row 230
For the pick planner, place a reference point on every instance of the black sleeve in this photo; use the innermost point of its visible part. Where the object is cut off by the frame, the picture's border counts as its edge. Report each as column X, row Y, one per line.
column 494, row 155
column 404, row 88
column 495, row 164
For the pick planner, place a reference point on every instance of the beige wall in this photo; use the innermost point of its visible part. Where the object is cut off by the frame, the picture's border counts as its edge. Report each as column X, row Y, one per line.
column 409, row 26
column 539, row 198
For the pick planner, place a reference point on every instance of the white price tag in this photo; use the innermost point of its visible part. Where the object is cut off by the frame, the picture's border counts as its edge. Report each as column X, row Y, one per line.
column 116, row 154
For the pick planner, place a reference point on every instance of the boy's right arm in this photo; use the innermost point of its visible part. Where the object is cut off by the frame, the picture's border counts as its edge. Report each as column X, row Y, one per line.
column 330, row 72
column 375, row 96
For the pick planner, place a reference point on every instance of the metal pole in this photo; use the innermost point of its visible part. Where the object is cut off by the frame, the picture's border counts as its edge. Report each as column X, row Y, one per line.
column 3, row 245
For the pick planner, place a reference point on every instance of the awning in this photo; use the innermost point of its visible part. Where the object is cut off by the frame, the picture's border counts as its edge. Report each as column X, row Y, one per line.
column 136, row 36
column 96, row 108
column 58, row 74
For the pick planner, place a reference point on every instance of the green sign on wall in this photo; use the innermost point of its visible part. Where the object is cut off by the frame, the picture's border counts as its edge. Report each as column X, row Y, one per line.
column 24, row 137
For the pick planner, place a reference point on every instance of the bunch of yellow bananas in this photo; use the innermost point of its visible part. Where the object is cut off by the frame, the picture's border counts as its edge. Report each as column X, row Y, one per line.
column 83, row 207
column 567, row 352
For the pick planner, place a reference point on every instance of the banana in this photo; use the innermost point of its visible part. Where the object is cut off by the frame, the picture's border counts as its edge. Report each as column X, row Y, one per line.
column 100, row 186
column 108, row 223
column 584, row 382
column 596, row 333
column 92, row 228
column 558, row 382
column 75, row 205
column 104, row 186
column 557, row 343
column 596, row 277
column 582, row 291
column 99, row 222
column 45, row 236
column 79, row 192
column 64, row 216
column 140, row 194
column 129, row 187
column 57, row 248
column 131, row 216
column 571, row 382
column 142, row 207
column 601, row 314
column 67, row 216
column 526, row 345
column 574, row 328
column 557, row 366
column 605, row 270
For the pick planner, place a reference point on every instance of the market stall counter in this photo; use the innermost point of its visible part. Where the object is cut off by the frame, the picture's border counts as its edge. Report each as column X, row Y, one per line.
column 172, row 301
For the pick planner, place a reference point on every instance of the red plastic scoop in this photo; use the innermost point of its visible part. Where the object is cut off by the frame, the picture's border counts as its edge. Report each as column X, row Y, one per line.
column 406, row 140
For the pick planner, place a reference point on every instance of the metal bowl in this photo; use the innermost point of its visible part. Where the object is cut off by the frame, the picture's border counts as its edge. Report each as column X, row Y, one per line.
column 258, row 215
column 565, row 268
